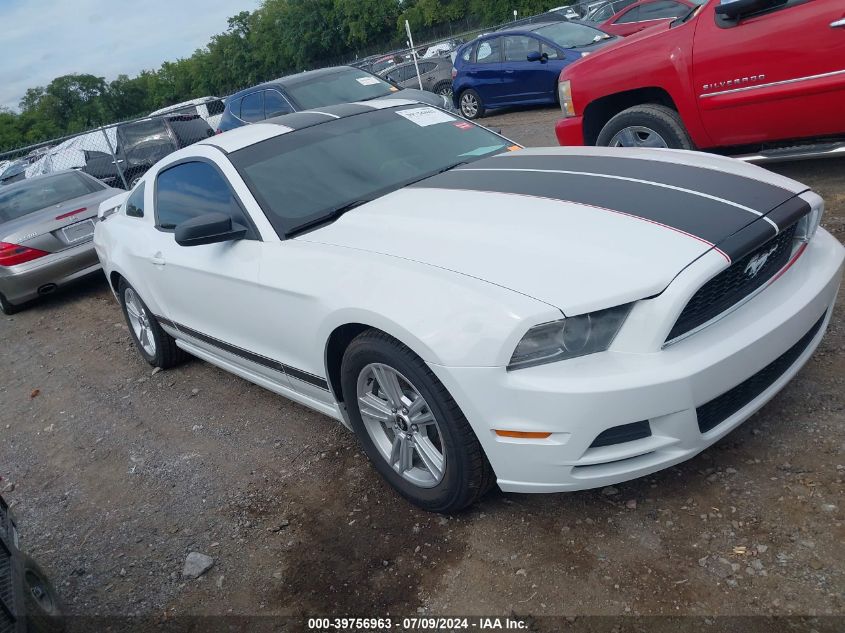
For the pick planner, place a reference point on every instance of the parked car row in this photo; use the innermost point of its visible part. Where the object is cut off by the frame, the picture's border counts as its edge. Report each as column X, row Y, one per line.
column 459, row 369
column 313, row 90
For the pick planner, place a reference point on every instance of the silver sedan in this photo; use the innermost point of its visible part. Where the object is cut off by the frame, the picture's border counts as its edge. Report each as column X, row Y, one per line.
column 46, row 228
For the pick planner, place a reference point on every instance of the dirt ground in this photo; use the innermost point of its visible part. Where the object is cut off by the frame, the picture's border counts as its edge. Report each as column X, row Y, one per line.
column 116, row 474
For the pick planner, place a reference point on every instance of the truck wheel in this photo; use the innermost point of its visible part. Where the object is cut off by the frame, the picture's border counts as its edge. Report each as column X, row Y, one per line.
column 646, row 126
column 472, row 107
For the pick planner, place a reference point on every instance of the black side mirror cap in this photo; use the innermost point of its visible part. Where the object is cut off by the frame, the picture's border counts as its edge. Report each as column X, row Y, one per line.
column 739, row 8
column 210, row 228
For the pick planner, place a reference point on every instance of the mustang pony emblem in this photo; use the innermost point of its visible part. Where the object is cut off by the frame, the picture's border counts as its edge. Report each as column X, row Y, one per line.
column 757, row 262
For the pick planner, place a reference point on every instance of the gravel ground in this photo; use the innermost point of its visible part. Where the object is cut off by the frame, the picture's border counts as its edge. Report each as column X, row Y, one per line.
column 117, row 473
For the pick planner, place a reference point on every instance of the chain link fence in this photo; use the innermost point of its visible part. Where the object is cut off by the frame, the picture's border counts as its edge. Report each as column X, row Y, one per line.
column 118, row 154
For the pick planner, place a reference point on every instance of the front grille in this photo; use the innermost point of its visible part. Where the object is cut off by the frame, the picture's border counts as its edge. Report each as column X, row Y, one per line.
column 622, row 433
column 734, row 284
column 719, row 409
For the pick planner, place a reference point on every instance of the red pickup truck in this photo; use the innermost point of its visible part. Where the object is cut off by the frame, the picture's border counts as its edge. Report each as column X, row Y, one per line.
column 756, row 79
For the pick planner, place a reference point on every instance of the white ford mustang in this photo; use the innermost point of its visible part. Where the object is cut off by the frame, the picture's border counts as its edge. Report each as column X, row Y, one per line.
column 548, row 320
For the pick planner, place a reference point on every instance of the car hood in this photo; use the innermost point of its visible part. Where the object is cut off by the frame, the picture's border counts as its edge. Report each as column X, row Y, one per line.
column 577, row 228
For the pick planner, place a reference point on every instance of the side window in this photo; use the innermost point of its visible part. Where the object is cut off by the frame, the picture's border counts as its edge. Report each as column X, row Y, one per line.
column 489, row 51
column 602, row 14
column 275, row 104
column 215, row 107
column 135, row 204
column 409, row 72
column 662, row 9
column 192, row 189
column 629, row 16
column 549, row 50
column 467, row 54
column 252, row 107
column 517, row 47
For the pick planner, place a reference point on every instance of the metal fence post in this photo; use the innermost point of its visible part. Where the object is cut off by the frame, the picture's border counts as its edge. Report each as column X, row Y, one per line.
column 114, row 158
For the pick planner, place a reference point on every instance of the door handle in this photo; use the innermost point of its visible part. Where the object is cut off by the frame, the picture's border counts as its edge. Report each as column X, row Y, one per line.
column 157, row 260
column 837, row 24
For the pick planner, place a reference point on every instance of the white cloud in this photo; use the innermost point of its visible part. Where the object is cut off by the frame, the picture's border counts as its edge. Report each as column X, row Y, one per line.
column 44, row 39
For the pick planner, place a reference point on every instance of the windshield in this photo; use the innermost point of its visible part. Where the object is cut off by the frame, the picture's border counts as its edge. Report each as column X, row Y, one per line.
column 302, row 177
column 344, row 86
column 571, row 35
column 29, row 196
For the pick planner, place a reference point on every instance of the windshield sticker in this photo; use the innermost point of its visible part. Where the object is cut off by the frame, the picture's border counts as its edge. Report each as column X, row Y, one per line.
column 425, row 116
column 368, row 81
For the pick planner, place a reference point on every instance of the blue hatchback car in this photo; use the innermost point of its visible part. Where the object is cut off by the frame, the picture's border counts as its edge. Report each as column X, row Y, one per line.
column 519, row 66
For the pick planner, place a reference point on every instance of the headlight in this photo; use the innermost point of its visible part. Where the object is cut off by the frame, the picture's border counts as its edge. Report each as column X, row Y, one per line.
column 808, row 225
column 569, row 338
column 564, row 93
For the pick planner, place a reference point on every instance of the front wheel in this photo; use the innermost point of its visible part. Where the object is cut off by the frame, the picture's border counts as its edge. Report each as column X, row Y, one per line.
column 650, row 126
column 472, row 107
column 410, row 427
column 43, row 608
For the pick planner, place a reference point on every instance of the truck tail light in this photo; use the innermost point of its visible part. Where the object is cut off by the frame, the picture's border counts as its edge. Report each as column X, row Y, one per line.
column 13, row 254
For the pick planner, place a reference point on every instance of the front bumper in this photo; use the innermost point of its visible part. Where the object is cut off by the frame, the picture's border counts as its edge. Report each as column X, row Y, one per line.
column 570, row 131
column 21, row 283
column 577, row 400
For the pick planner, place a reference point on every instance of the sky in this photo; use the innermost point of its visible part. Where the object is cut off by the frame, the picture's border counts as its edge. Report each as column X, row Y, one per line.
column 44, row 39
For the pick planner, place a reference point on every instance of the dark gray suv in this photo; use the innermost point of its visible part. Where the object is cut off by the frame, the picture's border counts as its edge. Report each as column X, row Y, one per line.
column 436, row 75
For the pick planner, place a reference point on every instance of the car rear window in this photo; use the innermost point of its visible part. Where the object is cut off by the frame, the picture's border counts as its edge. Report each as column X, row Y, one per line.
column 190, row 130
column 29, row 196
column 571, row 35
column 344, row 86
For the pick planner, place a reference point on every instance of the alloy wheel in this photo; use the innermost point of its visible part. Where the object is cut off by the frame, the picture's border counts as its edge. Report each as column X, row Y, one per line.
column 140, row 322
column 637, row 136
column 469, row 105
column 401, row 425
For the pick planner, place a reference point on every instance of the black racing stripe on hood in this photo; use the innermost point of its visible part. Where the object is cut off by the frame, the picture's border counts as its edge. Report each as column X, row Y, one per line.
column 789, row 212
column 752, row 236
column 749, row 192
column 704, row 218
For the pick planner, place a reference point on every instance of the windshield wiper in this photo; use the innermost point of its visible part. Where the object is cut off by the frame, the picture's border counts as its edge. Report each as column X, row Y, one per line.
column 435, row 173
column 327, row 217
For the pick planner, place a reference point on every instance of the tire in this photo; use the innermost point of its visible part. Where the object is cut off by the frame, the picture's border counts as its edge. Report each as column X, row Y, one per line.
column 646, row 126
column 158, row 348
column 8, row 308
column 444, row 88
column 42, row 607
column 474, row 106
column 466, row 475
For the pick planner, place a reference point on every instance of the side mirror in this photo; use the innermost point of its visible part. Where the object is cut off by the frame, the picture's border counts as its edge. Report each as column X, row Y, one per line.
column 535, row 56
column 738, row 8
column 210, row 228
